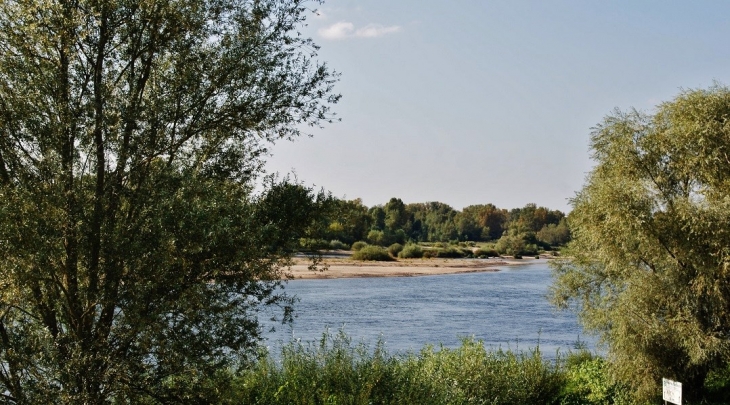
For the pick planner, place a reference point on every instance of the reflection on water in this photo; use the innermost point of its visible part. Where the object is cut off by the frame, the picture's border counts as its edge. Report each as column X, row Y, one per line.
column 505, row 309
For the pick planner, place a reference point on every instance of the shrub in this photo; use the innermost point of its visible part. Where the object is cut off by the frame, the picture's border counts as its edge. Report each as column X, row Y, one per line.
column 481, row 253
column 411, row 251
column 313, row 244
column 450, row 252
column 429, row 253
column 394, row 249
column 358, row 245
column 530, row 249
column 375, row 253
column 337, row 245
column 587, row 382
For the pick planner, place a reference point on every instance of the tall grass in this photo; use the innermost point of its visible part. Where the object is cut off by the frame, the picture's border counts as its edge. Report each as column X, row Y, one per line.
column 335, row 371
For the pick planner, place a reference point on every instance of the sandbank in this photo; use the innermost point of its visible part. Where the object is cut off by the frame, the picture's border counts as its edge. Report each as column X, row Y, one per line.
column 345, row 267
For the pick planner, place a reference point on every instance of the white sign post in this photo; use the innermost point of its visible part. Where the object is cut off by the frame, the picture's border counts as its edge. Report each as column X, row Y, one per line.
column 672, row 391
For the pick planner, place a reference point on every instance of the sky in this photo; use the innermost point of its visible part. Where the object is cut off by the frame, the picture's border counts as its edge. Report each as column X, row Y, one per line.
column 475, row 102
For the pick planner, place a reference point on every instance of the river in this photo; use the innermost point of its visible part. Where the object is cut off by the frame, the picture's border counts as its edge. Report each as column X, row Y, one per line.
column 506, row 309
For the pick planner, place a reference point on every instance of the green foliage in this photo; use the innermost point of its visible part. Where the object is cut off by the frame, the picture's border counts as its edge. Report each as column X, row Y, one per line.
column 313, row 245
column 358, row 245
column 337, row 245
column 134, row 252
column 350, row 221
column 375, row 253
column 717, row 386
column 554, row 235
column 482, row 253
column 411, row 251
column 587, row 382
column 650, row 256
column 335, row 372
column 449, row 253
column 430, row 253
column 376, row 237
column 395, row 249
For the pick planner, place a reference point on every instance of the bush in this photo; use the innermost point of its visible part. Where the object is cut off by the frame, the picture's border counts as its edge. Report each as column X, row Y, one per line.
column 450, row 252
column 375, row 253
column 313, row 244
column 337, row 245
column 358, row 245
column 411, row 251
column 430, row 253
column 467, row 252
column 394, row 249
column 587, row 382
column 481, row 253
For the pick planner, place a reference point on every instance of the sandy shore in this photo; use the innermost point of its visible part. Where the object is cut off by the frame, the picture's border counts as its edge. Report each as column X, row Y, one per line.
column 348, row 268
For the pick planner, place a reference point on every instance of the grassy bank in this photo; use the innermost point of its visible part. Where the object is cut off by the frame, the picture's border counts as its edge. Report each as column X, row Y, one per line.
column 334, row 371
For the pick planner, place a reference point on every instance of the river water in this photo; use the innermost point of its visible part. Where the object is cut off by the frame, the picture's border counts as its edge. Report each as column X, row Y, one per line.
column 506, row 309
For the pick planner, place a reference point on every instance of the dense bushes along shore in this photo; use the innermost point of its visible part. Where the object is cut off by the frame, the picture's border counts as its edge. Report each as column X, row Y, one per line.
column 334, row 371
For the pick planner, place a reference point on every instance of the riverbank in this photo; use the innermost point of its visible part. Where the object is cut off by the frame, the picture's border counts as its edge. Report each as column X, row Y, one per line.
column 345, row 267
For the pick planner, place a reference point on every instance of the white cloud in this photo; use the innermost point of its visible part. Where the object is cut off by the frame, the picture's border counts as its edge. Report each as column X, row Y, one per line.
column 340, row 30
column 344, row 29
column 376, row 30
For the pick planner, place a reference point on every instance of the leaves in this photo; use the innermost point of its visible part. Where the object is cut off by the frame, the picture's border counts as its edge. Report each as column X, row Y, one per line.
column 650, row 234
column 136, row 255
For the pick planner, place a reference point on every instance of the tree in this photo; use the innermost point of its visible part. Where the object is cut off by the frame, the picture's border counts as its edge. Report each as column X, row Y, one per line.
column 396, row 216
column 135, row 255
column 491, row 219
column 650, row 266
column 554, row 235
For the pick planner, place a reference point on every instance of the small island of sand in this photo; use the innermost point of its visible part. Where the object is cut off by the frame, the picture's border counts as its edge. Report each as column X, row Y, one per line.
column 345, row 267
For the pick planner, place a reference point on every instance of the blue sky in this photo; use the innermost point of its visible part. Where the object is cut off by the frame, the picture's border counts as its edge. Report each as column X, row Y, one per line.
column 473, row 102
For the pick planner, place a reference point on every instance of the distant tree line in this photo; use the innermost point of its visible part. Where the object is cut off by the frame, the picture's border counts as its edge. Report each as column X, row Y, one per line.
column 517, row 230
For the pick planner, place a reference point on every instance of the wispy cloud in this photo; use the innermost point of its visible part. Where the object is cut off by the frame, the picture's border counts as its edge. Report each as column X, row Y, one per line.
column 376, row 30
column 340, row 30
column 344, row 29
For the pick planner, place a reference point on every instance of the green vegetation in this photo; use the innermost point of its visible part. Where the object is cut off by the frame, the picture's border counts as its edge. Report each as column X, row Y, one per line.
column 358, row 245
column 411, row 251
column 337, row 245
column 395, row 249
column 372, row 253
column 528, row 229
column 135, row 253
column 485, row 253
column 650, row 258
column 451, row 253
column 335, row 372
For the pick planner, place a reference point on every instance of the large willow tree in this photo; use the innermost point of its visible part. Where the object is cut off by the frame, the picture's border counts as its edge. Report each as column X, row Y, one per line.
column 650, row 266
column 133, row 254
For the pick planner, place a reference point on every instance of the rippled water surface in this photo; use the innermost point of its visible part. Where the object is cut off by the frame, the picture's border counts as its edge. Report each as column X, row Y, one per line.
column 507, row 309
